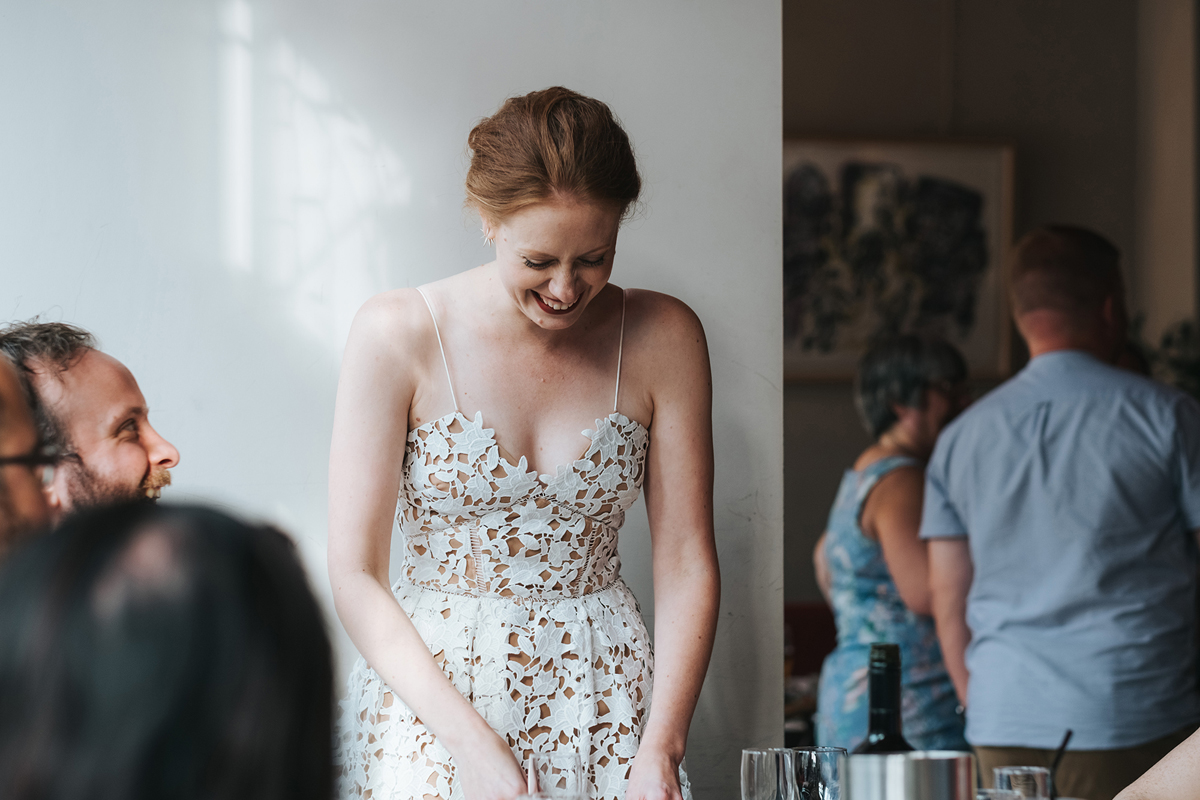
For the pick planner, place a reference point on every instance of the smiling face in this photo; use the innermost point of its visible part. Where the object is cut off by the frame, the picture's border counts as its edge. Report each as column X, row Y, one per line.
column 555, row 257
column 104, row 417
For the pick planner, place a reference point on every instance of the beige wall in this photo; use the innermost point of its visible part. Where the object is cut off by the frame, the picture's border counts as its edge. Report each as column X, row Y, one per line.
column 1164, row 282
column 1056, row 78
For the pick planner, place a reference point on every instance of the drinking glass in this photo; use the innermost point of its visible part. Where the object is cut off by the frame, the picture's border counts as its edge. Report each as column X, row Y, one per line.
column 769, row 774
column 1025, row 781
column 819, row 772
column 997, row 794
column 556, row 773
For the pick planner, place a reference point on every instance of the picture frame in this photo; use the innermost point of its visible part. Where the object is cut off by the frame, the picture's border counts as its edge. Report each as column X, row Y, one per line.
column 888, row 237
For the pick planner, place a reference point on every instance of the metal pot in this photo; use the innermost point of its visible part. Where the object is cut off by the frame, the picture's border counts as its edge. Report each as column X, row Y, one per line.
column 920, row 775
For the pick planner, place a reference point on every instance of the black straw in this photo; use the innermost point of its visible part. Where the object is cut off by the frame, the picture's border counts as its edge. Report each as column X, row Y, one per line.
column 1062, row 749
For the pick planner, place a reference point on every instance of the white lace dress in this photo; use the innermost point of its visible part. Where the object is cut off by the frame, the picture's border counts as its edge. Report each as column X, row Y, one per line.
column 513, row 581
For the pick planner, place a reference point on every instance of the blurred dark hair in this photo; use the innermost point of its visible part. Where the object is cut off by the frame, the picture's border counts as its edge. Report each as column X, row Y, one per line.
column 1065, row 268
column 897, row 372
column 162, row 652
column 56, row 345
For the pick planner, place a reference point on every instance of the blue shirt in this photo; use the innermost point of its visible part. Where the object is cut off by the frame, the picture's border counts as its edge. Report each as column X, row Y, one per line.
column 1077, row 485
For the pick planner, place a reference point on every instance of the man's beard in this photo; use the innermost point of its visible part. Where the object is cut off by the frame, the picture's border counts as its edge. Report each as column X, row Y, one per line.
column 87, row 489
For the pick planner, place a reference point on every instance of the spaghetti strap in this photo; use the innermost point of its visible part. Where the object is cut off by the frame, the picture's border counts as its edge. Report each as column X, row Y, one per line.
column 620, row 347
column 438, row 333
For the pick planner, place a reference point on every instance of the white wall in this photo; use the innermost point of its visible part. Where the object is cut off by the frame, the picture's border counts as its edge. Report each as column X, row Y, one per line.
column 213, row 189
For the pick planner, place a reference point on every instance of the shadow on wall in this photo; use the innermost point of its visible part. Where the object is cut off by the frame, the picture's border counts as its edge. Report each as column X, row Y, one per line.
column 304, row 171
column 309, row 198
column 214, row 211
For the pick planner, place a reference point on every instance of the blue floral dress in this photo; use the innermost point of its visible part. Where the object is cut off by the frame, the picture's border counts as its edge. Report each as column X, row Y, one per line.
column 868, row 608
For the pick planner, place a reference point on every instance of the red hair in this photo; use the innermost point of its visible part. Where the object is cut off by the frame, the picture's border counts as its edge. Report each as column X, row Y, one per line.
column 554, row 142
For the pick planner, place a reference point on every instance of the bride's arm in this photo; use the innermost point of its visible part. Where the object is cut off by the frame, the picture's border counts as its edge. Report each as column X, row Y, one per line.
column 1174, row 778
column 678, row 487
column 375, row 388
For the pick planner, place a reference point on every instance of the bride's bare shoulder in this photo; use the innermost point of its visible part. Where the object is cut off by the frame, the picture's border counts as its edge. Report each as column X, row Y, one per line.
column 666, row 353
column 661, row 320
column 392, row 322
column 398, row 326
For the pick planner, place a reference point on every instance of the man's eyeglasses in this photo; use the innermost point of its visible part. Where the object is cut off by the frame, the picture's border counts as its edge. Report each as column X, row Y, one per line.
column 42, row 461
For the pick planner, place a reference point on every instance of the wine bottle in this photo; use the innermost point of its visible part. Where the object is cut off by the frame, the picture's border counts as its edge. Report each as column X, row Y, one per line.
column 883, row 690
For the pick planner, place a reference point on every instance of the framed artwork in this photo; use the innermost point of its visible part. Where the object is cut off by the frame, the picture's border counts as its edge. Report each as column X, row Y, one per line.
column 882, row 238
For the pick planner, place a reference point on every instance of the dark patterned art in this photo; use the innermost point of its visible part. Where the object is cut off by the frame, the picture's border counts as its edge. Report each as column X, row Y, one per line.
column 880, row 251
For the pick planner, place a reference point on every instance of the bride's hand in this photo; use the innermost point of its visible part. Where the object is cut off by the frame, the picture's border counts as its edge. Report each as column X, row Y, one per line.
column 489, row 771
column 653, row 776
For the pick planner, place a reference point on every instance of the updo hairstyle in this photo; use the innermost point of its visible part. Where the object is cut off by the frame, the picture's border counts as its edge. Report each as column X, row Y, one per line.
column 898, row 371
column 554, row 142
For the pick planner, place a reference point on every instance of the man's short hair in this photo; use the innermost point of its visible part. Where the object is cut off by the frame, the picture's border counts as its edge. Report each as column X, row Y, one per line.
column 1064, row 268
column 33, row 345
column 898, row 371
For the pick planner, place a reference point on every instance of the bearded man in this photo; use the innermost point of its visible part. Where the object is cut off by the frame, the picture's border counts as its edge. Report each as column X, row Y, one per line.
column 89, row 409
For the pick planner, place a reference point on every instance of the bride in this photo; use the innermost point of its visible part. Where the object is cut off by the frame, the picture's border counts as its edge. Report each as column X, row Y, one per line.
column 509, row 631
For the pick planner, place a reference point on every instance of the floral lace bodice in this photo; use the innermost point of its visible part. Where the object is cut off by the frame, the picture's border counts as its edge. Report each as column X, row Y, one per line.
column 476, row 524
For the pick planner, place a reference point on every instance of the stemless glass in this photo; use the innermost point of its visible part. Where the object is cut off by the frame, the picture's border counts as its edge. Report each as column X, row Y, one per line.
column 556, row 773
column 1025, row 781
column 819, row 772
column 997, row 794
column 769, row 774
